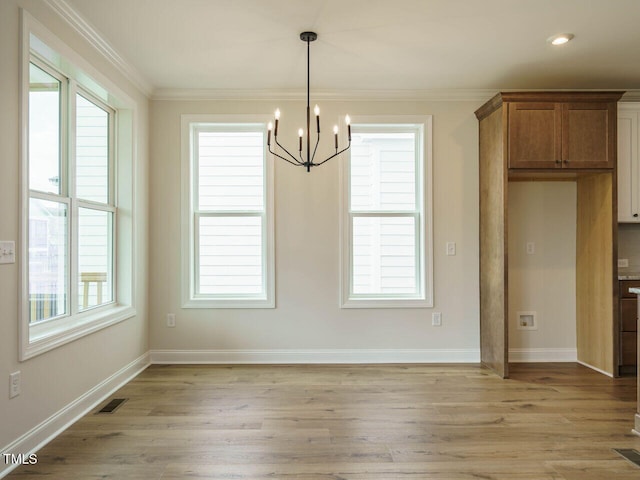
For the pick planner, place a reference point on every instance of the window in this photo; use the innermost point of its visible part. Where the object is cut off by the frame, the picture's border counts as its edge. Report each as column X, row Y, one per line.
column 70, row 237
column 386, row 252
column 228, row 203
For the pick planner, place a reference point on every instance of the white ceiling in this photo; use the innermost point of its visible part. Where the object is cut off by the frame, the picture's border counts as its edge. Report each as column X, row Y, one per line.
column 395, row 45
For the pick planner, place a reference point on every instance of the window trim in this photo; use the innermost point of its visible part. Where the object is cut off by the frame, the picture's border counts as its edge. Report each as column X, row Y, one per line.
column 425, row 227
column 189, row 124
column 39, row 44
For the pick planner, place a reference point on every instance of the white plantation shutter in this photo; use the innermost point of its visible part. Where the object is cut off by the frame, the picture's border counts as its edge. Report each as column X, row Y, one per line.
column 230, row 254
column 385, row 215
column 230, row 220
column 384, row 255
column 230, row 171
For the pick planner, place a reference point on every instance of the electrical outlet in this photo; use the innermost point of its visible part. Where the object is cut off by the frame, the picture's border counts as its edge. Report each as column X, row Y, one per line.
column 531, row 248
column 8, row 252
column 436, row 319
column 171, row 320
column 623, row 262
column 451, row 248
column 14, row 384
column 527, row 321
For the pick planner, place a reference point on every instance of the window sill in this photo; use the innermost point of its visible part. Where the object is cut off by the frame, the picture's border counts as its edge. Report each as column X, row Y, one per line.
column 386, row 303
column 229, row 303
column 55, row 333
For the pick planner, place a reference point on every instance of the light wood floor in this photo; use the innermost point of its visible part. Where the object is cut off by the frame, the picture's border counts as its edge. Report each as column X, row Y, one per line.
column 551, row 421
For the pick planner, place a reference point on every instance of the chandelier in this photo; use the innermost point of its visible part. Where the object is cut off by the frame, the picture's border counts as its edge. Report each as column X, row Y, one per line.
column 307, row 161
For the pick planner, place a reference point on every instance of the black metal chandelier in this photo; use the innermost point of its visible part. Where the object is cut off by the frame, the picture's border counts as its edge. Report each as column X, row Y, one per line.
column 307, row 162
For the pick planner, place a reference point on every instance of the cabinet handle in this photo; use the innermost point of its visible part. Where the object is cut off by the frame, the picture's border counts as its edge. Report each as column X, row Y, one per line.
column 558, row 162
column 635, row 215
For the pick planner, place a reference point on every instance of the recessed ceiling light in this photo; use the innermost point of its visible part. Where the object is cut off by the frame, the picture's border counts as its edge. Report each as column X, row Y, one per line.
column 560, row 39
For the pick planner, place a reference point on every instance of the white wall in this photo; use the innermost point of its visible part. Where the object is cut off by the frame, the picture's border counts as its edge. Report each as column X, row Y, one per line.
column 308, row 316
column 545, row 282
column 51, row 381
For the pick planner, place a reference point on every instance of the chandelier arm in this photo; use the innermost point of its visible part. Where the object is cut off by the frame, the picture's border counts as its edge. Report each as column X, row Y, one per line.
column 288, row 153
column 297, row 164
column 332, row 156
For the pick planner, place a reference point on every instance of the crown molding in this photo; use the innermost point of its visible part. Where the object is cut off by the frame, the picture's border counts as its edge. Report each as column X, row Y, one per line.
column 95, row 38
column 631, row 96
column 448, row 95
column 461, row 95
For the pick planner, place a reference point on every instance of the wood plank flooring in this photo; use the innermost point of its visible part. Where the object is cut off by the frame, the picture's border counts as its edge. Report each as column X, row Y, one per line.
column 374, row 422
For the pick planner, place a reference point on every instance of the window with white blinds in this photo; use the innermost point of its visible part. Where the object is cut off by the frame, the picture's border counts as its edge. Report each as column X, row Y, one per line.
column 386, row 250
column 230, row 244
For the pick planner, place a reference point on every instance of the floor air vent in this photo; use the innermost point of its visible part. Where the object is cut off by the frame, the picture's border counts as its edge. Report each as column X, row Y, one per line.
column 632, row 455
column 112, row 406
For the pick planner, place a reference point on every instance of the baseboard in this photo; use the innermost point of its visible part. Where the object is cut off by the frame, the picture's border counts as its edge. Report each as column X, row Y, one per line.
column 536, row 355
column 46, row 431
column 317, row 356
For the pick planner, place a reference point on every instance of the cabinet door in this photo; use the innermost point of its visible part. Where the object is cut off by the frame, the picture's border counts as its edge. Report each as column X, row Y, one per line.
column 628, row 348
column 588, row 135
column 628, row 314
column 535, row 135
column 628, row 167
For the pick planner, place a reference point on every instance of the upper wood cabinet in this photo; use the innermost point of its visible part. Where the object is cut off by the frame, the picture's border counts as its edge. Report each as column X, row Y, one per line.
column 558, row 130
column 535, row 135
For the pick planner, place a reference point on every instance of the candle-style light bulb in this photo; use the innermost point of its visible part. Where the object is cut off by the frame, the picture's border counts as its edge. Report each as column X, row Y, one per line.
column 316, row 110
column 347, row 120
column 269, row 128
column 300, row 133
column 277, row 114
column 335, row 135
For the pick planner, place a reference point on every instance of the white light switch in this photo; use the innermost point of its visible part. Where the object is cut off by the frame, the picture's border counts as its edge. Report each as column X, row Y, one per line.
column 14, row 384
column 8, row 252
column 451, row 248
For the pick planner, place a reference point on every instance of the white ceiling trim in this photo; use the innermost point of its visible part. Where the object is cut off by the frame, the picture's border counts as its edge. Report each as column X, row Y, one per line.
column 631, row 96
column 91, row 35
column 461, row 95
column 452, row 95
